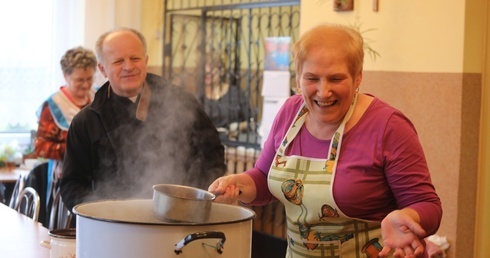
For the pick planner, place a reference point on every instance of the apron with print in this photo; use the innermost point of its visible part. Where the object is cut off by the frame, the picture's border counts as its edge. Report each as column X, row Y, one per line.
column 315, row 225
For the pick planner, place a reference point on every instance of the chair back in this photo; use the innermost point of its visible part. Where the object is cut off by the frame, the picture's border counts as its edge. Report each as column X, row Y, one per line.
column 29, row 203
column 60, row 216
column 37, row 178
column 18, row 187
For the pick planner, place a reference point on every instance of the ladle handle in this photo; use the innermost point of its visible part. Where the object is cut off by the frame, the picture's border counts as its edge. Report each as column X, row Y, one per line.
column 218, row 194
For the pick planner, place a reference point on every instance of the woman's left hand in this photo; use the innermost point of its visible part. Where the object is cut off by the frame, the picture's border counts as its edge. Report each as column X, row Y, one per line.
column 402, row 233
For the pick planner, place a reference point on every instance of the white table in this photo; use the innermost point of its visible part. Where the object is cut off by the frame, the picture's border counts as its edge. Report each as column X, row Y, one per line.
column 7, row 176
column 20, row 236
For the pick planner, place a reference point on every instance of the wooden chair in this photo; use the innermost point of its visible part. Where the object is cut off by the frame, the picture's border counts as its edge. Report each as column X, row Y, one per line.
column 29, row 203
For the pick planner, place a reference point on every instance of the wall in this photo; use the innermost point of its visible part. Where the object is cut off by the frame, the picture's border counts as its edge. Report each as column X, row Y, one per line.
column 100, row 16
column 431, row 69
column 482, row 249
column 103, row 15
column 152, row 28
column 403, row 32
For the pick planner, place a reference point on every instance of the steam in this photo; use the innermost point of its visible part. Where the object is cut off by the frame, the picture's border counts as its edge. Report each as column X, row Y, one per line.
column 155, row 151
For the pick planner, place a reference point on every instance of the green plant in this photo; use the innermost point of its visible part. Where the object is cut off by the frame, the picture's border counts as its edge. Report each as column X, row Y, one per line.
column 8, row 152
column 357, row 25
column 371, row 52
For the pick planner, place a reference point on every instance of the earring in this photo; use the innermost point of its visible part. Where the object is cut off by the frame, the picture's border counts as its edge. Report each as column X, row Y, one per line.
column 357, row 89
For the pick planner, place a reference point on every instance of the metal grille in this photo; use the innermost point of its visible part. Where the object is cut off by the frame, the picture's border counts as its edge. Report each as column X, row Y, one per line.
column 235, row 32
column 271, row 218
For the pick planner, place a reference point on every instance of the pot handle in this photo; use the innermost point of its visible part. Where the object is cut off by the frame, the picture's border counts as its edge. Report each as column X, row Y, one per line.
column 201, row 235
column 46, row 244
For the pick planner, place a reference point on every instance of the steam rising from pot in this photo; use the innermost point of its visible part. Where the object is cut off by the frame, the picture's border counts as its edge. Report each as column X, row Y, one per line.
column 155, row 151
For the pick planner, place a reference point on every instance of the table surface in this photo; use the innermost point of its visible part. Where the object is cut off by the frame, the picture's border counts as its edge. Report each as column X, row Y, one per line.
column 11, row 176
column 20, row 236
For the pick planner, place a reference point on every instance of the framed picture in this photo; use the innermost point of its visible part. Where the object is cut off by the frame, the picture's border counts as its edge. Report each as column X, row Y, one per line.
column 343, row 5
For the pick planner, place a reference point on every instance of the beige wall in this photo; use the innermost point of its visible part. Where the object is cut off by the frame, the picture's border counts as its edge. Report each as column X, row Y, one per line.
column 431, row 68
column 410, row 35
column 152, row 28
column 100, row 16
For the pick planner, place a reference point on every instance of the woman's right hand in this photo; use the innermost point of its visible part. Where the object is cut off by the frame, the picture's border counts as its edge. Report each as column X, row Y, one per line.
column 233, row 188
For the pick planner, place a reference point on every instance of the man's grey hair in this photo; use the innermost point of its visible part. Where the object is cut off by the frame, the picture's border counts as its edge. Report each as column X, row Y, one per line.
column 100, row 41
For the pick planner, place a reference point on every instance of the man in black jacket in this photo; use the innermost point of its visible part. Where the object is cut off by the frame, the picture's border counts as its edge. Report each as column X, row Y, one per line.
column 139, row 131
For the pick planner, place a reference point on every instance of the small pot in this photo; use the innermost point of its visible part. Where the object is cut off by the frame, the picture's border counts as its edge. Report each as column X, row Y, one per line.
column 181, row 203
column 62, row 243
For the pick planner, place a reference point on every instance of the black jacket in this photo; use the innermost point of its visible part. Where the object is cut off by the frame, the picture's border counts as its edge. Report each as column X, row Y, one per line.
column 112, row 154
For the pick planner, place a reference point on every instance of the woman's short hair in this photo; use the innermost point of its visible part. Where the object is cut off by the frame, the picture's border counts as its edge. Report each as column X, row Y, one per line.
column 78, row 57
column 325, row 35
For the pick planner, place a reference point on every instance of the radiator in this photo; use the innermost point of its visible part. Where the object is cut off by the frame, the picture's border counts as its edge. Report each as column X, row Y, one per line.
column 271, row 219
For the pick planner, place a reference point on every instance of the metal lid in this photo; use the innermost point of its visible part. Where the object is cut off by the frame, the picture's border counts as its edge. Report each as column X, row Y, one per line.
column 69, row 233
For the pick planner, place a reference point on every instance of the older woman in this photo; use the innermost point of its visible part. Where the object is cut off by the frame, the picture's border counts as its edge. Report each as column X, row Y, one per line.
column 349, row 168
column 78, row 66
column 56, row 112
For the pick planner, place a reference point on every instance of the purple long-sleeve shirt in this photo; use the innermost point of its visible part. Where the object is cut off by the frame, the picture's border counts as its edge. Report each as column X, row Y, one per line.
column 381, row 167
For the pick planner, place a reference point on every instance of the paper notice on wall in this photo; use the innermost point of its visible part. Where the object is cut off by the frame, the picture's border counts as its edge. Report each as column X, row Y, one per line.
column 269, row 110
column 276, row 84
column 277, row 53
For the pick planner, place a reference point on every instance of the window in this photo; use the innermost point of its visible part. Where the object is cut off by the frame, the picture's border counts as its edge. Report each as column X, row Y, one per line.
column 26, row 62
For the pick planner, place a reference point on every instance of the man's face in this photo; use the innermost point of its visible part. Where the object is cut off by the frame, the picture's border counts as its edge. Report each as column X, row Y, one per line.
column 124, row 63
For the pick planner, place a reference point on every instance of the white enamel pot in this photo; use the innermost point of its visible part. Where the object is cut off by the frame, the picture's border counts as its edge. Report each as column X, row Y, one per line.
column 62, row 243
column 128, row 228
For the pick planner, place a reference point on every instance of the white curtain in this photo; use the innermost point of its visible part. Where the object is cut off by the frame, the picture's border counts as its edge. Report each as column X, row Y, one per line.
column 35, row 36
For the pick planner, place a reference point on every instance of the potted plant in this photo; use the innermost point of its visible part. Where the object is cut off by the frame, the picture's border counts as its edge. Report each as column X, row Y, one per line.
column 8, row 155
